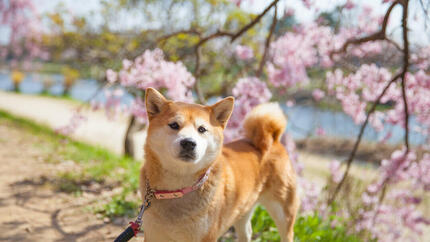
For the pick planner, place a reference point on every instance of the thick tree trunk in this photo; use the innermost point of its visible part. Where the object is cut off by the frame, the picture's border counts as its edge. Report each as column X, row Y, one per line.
column 133, row 127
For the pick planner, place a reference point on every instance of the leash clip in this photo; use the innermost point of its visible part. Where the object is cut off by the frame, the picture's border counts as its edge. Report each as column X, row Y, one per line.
column 149, row 195
column 135, row 226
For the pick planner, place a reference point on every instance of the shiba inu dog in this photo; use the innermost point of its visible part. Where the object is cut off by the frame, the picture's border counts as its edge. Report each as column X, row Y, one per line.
column 203, row 187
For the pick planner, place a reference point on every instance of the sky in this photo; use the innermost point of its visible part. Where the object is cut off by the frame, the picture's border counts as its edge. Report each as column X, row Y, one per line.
column 419, row 33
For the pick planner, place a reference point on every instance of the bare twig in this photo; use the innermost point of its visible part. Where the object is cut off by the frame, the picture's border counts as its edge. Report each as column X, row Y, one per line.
column 253, row 22
column 426, row 12
column 197, row 74
column 267, row 43
column 359, row 137
column 189, row 31
column 380, row 35
column 405, row 4
column 394, row 43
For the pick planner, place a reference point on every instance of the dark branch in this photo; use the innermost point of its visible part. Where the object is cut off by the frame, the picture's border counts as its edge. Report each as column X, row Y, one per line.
column 196, row 75
column 397, row 46
column 219, row 33
column 267, row 44
column 402, row 76
column 405, row 4
column 190, row 31
column 253, row 22
column 380, row 35
column 359, row 137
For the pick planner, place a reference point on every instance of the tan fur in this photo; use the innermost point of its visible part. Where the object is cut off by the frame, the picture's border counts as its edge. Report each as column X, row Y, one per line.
column 244, row 173
column 265, row 125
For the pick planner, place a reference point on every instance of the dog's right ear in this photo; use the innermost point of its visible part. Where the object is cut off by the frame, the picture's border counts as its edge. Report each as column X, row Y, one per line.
column 222, row 110
column 154, row 101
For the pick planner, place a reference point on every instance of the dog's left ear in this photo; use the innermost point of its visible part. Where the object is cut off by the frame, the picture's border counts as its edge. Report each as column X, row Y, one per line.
column 154, row 102
column 222, row 110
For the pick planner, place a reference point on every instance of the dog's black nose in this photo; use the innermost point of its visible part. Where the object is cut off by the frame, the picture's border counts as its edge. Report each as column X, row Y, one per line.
column 188, row 144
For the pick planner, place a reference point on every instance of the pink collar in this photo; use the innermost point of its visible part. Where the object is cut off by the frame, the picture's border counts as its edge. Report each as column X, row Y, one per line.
column 164, row 194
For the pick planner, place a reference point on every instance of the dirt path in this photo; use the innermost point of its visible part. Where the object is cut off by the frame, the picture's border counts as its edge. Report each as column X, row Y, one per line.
column 30, row 210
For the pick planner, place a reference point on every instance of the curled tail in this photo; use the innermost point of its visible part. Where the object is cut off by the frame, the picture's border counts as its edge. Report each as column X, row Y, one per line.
column 264, row 125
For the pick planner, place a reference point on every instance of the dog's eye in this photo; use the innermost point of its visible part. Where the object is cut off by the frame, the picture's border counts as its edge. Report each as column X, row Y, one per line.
column 174, row 125
column 202, row 129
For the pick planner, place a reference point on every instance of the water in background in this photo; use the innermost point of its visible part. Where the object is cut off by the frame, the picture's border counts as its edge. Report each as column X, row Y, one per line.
column 302, row 123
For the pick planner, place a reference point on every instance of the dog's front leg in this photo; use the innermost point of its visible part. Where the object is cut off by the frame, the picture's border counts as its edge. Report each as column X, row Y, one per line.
column 243, row 227
column 212, row 236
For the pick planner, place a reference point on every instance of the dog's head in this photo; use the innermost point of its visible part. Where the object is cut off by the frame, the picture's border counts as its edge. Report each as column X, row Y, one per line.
column 185, row 136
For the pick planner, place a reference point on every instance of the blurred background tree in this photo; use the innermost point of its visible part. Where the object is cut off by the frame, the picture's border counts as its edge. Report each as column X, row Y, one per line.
column 75, row 41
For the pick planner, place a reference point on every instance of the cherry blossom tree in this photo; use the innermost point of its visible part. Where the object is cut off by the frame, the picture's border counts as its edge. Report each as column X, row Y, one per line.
column 359, row 92
column 23, row 37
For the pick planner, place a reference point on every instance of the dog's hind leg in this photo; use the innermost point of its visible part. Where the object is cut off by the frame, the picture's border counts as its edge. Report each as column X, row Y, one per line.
column 283, row 210
column 243, row 227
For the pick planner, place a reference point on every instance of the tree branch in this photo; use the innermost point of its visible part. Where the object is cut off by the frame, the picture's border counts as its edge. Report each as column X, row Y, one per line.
column 405, row 4
column 253, row 22
column 217, row 34
column 267, row 44
column 359, row 137
column 402, row 76
column 380, row 35
column 397, row 46
column 189, row 31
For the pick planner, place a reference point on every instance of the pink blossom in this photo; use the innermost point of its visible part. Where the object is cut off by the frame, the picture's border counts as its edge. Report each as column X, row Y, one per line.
column 244, row 52
column 349, row 4
column 289, row 12
column 320, row 131
column 138, row 110
column 310, row 194
column 111, row 76
column 318, row 94
column 290, row 103
column 76, row 120
column 249, row 92
column 307, row 3
column 290, row 146
column 237, row 2
column 23, row 21
column 335, row 171
column 151, row 70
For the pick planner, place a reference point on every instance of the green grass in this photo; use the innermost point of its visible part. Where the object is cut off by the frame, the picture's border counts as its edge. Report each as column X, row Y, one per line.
column 101, row 166
column 98, row 165
column 306, row 229
column 63, row 97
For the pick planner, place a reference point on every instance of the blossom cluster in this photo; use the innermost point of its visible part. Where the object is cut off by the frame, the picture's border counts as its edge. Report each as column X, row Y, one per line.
column 244, row 52
column 151, row 70
column 408, row 174
column 75, row 121
column 22, row 20
column 310, row 45
column 249, row 92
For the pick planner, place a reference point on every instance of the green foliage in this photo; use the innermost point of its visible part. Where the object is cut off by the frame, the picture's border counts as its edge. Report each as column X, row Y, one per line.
column 119, row 206
column 313, row 228
column 332, row 18
column 306, row 229
column 263, row 226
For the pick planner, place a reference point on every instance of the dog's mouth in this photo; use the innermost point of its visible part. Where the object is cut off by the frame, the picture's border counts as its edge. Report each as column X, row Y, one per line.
column 187, row 156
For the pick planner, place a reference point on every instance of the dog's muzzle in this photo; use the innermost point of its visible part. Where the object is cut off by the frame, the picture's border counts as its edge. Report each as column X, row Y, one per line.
column 187, row 152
